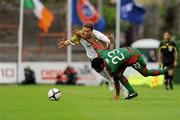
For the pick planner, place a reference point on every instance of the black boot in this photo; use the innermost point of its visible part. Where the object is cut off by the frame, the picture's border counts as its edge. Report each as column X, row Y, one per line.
column 171, row 84
column 166, row 84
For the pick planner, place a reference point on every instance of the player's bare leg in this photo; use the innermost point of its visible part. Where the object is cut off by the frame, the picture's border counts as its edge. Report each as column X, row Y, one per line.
column 132, row 93
column 109, row 79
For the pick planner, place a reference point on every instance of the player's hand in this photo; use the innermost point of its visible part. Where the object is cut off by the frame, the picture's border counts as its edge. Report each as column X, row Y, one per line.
column 116, row 97
column 171, row 72
column 61, row 44
column 108, row 36
column 175, row 63
column 76, row 32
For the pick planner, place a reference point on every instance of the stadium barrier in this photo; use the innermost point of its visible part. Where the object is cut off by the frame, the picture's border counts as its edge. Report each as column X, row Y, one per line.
column 46, row 73
column 9, row 26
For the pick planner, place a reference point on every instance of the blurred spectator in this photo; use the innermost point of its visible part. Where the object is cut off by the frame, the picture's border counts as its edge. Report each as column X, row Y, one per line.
column 29, row 76
column 69, row 77
column 59, row 79
column 71, row 74
column 152, row 56
column 144, row 57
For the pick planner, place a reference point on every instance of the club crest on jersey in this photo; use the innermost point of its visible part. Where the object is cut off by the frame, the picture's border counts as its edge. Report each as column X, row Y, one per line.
column 170, row 49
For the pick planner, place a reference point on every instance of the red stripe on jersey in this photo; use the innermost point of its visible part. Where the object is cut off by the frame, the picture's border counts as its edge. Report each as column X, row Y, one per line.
column 96, row 44
column 133, row 59
column 131, row 50
column 156, row 72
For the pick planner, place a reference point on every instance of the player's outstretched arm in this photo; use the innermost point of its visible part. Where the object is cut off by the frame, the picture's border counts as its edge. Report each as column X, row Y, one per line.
column 63, row 43
column 176, row 58
column 160, row 59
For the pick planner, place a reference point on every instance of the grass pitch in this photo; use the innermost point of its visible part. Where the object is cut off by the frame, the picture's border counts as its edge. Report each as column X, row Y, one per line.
column 18, row 102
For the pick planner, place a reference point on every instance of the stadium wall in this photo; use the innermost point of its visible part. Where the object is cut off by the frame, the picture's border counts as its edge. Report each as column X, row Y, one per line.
column 46, row 73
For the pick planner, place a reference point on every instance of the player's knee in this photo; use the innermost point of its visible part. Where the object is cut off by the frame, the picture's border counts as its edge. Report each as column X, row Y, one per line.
column 145, row 74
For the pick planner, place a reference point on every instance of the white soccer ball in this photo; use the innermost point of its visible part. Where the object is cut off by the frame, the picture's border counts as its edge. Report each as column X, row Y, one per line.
column 54, row 94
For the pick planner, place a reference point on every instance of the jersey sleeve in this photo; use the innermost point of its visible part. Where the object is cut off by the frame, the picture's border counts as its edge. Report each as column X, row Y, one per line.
column 174, row 46
column 74, row 39
column 102, row 38
column 160, row 46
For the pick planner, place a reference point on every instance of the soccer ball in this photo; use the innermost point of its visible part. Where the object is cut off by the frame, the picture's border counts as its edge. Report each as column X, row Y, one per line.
column 54, row 94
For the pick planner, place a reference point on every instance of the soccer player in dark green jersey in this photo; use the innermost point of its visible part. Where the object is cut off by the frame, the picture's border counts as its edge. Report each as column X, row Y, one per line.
column 117, row 60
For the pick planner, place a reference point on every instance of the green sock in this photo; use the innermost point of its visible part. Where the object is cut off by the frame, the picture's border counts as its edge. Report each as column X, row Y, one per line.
column 126, row 84
column 155, row 72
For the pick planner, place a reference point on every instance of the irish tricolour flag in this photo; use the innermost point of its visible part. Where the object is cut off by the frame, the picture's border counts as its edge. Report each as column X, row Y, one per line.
column 44, row 16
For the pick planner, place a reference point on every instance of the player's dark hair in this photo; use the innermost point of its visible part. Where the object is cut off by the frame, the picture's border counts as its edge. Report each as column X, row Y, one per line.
column 166, row 31
column 96, row 64
column 89, row 24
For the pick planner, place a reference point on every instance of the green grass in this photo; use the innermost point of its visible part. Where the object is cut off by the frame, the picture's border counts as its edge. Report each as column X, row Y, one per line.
column 19, row 102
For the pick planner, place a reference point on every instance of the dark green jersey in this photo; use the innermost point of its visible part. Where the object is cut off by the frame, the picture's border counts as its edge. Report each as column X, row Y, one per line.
column 118, row 57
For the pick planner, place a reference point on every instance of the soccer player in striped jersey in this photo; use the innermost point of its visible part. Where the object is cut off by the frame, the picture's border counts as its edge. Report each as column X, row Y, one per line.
column 117, row 60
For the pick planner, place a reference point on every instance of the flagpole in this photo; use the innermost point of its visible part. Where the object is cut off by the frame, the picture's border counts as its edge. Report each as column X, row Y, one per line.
column 69, row 28
column 118, row 20
column 20, row 37
column 100, row 3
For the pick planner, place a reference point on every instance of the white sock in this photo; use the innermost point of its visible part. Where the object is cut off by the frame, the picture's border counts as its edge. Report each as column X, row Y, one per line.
column 123, row 90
